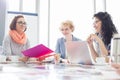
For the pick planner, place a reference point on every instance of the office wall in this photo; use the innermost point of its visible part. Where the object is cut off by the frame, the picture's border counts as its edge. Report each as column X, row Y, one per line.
column 2, row 19
column 32, row 25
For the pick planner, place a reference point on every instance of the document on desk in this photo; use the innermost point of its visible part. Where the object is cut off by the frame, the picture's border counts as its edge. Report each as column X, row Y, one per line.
column 37, row 51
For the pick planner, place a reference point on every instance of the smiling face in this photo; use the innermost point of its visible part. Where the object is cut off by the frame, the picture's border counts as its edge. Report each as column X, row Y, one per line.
column 97, row 25
column 66, row 30
column 20, row 25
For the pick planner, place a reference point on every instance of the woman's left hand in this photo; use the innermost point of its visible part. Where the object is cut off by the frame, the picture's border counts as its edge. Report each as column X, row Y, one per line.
column 117, row 67
column 96, row 38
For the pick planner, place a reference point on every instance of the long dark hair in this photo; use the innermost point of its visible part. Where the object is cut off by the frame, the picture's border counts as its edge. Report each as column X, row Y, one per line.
column 108, row 28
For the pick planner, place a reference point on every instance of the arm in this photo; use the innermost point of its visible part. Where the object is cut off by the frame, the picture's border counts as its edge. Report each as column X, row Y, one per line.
column 58, row 51
column 103, row 49
column 93, row 52
column 6, row 46
column 25, row 58
column 57, row 48
column 28, row 44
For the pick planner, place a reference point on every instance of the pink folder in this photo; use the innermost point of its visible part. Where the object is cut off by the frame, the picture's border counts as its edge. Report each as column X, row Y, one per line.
column 37, row 51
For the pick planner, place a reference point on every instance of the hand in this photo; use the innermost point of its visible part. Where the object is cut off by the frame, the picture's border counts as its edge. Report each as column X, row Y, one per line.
column 95, row 37
column 65, row 61
column 24, row 59
column 8, row 59
column 117, row 67
column 57, row 58
column 90, row 41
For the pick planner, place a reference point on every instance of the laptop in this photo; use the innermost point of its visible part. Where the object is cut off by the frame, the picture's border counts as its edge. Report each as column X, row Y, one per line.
column 77, row 52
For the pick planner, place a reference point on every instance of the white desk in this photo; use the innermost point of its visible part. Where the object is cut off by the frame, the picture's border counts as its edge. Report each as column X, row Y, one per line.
column 21, row 71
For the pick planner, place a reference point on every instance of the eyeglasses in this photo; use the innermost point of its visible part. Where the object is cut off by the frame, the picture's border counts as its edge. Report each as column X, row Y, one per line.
column 22, row 23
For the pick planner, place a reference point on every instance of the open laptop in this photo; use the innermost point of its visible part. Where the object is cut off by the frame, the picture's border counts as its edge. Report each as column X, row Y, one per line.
column 78, row 52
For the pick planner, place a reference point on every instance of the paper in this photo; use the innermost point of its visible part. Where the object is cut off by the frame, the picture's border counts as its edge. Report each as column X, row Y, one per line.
column 37, row 51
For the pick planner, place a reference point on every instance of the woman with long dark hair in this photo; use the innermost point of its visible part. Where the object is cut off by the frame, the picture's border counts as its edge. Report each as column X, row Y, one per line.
column 99, row 42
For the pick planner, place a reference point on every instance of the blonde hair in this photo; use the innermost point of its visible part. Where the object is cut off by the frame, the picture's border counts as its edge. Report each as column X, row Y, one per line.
column 68, row 23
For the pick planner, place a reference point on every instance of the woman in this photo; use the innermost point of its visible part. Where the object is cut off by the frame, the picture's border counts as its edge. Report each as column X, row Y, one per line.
column 66, row 29
column 16, row 40
column 105, row 29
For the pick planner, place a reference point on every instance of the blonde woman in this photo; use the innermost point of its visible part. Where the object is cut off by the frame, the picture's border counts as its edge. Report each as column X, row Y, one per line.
column 66, row 29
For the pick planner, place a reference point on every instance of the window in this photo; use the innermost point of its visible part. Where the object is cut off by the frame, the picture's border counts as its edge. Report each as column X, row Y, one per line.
column 13, row 5
column 29, row 6
column 113, row 8
column 22, row 5
column 100, row 5
column 61, row 10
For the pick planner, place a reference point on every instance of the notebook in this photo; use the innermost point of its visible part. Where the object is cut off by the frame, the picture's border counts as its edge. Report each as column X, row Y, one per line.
column 78, row 52
column 37, row 51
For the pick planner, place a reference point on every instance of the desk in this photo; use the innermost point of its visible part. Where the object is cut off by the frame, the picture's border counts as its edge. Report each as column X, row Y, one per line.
column 22, row 71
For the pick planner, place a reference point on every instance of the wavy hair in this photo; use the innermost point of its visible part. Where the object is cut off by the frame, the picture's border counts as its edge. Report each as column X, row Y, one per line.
column 108, row 29
column 68, row 23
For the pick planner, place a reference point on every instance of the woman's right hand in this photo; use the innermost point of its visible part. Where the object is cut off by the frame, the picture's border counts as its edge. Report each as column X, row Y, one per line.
column 57, row 58
column 90, row 41
column 24, row 59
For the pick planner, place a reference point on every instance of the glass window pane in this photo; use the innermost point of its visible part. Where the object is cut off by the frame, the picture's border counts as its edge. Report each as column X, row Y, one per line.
column 77, row 11
column 100, row 5
column 13, row 5
column 113, row 9
column 29, row 6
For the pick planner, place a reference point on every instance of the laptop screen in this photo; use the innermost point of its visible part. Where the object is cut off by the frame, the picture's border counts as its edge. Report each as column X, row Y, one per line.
column 78, row 52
